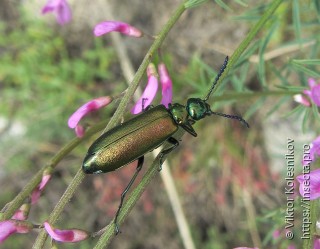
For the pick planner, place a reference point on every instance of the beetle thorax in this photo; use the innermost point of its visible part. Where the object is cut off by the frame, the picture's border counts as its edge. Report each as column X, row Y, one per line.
column 179, row 113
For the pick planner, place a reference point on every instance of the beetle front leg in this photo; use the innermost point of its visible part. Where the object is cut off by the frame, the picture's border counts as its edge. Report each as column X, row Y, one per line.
column 175, row 144
column 139, row 167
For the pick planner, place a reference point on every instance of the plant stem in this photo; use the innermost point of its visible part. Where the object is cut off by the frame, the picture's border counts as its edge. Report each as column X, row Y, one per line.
column 33, row 183
column 65, row 198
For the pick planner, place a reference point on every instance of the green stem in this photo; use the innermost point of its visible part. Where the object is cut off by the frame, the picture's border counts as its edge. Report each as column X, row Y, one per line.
column 34, row 182
column 247, row 95
column 65, row 198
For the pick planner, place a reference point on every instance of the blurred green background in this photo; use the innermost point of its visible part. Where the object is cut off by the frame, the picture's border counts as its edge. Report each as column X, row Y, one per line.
column 230, row 179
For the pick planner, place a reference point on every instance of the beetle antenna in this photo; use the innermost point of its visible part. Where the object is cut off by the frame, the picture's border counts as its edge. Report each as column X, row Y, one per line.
column 231, row 117
column 223, row 67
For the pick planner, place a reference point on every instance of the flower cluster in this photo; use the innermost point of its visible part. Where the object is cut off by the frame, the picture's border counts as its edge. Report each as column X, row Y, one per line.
column 18, row 222
column 150, row 90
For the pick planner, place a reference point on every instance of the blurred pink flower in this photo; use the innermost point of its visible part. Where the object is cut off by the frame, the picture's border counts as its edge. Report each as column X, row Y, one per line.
column 314, row 92
column 109, row 26
column 60, row 8
column 314, row 152
column 310, row 184
column 149, row 92
column 299, row 98
column 38, row 190
column 9, row 227
column 166, row 85
column 79, row 130
column 316, row 243
column 69, row 236
column 88, row 107
column 22, row 213
column 246, row 248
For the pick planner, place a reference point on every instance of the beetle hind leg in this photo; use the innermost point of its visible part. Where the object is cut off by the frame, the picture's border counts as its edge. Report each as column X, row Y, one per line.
column 139, row 167
column 174, row 143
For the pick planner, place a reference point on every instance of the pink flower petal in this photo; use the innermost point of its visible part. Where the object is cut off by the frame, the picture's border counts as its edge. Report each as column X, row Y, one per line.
column 316, row 243
column 9, row 227
column 312, row 82
column 315, row 94
column 246, row 248
column 60, row 8
column 38, row 190
column 22, row 213
column 291, row 246
column 310, row 184
column 90, row 106
column 315, row 148
column 109, row 26
column 301, row 100
column 70, row 236
column 79, row 130
column 149, row 92
column 63, row 14
column 166, row 84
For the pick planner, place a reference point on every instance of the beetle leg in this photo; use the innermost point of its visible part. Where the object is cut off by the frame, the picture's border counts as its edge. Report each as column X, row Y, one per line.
column 145, row 108
column 174, row 143
column 139, row 167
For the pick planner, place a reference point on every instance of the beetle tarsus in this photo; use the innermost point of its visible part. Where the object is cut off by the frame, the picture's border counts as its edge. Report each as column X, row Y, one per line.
column 175, row 144
column 123, row 195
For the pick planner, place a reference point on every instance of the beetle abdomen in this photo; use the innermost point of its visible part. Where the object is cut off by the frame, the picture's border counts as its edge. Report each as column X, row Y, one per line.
column 129, row 141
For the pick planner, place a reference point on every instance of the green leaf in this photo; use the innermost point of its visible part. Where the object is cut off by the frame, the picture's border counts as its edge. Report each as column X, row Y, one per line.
column 223, row 5
column 296, row 18
column 241, row 3
column 194, row 3
column 307, row 71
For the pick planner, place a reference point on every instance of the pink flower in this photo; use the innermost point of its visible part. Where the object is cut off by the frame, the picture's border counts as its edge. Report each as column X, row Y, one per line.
column 301, row 100
column 22, row 213
column 79, row 130
column 314, row 152
column 88, row 107
column 310, row 184
column 246, row 248
column 166, row 84
column 149, row 92
column 69, row 236
column 109, row 26
column 316, row 243
column 38, row 190
column 276, row 234
column 9, row 227
column 314, row 92
column 291, row 246
column 60, row 8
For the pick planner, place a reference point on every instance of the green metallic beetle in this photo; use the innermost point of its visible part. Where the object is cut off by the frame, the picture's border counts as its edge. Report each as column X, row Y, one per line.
column 131, row 140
